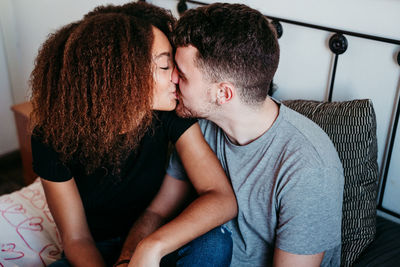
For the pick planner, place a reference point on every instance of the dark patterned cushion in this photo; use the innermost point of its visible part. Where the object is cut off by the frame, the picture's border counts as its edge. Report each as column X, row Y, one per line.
column 351, row 125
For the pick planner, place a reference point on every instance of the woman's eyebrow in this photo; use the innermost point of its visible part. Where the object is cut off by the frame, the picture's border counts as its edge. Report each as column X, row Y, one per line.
column 168, row 54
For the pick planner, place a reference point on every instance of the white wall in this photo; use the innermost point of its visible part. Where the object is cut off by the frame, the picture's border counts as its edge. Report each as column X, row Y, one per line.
column 7, row 127
column 367, row 69
column 26, row 25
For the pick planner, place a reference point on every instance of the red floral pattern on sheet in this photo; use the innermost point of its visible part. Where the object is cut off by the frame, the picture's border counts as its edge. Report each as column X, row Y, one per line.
column 28, row 235
column 10, row 248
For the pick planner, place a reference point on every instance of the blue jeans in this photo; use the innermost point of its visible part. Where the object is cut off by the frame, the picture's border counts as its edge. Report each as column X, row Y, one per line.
column 213, row 249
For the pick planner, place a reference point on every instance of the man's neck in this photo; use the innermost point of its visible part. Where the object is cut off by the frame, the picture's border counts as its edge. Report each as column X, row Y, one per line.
column 243, row 124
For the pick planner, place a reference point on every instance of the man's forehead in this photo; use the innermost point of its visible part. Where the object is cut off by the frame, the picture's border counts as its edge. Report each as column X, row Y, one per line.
column 185, row 56
column 187, row 51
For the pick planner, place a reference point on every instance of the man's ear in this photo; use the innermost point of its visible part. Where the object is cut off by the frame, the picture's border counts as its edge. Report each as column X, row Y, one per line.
column 225, row 92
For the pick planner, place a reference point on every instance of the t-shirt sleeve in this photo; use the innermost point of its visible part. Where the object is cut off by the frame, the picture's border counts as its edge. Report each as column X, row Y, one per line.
column 175, row 126
column 46, row 162
column 310, row 211
column 175, row 167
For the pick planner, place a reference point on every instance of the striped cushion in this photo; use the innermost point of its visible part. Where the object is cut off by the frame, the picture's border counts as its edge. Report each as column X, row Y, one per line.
column 351, row 125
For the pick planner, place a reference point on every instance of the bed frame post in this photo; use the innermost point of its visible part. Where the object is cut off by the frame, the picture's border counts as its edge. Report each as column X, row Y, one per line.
column 338, row 45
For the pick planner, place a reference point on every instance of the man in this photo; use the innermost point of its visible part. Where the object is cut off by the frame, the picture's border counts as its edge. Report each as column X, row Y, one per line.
column 285, row 172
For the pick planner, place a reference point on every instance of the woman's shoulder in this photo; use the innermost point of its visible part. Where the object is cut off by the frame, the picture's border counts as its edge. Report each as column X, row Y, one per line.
column 174, row 125
column 37, row 133
column 46, row 161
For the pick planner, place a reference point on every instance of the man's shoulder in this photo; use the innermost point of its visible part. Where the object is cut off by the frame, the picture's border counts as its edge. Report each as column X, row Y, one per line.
column 309, row 137
column 304, row 125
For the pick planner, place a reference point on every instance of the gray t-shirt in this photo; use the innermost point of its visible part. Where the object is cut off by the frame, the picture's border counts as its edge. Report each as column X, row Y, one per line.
column 289, row 188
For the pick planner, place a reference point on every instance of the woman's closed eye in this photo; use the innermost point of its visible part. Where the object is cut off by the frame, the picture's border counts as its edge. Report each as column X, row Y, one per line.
column 167, row 66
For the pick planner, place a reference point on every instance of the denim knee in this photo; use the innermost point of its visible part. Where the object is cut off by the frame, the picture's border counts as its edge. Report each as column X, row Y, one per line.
column 209, row 250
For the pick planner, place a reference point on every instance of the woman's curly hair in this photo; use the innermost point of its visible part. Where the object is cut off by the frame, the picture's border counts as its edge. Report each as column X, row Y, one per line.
column 92, row 88
column 156, row 16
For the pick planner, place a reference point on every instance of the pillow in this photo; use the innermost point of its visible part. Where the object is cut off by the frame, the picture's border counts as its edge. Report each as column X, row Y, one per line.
column 28, row 235
column 351, row 125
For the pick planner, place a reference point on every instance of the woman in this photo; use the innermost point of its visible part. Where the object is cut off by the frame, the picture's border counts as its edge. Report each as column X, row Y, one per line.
column 102, row 92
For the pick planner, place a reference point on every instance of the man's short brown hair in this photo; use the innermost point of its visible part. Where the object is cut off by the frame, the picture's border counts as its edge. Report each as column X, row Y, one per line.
column 235, row 43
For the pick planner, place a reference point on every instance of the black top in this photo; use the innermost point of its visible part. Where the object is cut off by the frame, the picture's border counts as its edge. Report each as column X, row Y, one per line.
column 112, row 205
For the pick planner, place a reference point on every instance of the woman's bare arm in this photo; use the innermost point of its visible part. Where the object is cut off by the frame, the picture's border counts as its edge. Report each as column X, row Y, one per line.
column 65, row 205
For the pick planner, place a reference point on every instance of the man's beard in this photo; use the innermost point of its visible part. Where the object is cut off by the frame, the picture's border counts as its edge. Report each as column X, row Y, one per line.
column 182, row 111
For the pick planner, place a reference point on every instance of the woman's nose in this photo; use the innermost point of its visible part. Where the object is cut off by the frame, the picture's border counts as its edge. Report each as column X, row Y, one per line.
column 175, row 76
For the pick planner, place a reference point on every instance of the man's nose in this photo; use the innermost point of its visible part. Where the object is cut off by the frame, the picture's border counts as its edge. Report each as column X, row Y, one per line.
column 175, row 76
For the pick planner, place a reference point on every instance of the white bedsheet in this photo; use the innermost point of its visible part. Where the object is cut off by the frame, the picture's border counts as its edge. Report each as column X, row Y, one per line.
column 28, row 234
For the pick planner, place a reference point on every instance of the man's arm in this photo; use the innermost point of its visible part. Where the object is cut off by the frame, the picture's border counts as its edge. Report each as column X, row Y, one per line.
column 310, row 216
column 286, row 259
column 215, row 205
